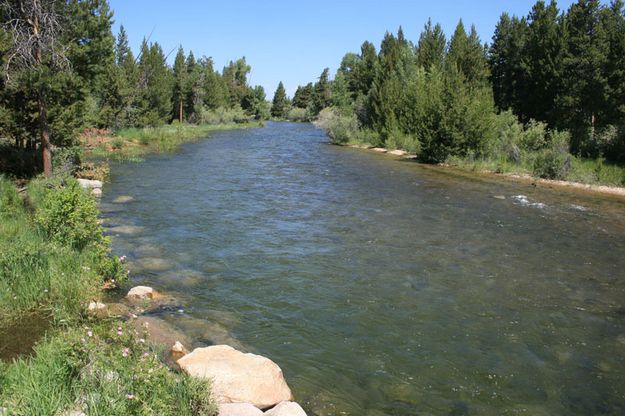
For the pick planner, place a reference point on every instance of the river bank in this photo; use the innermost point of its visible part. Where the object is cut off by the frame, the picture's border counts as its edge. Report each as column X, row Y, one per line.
column 469, row 168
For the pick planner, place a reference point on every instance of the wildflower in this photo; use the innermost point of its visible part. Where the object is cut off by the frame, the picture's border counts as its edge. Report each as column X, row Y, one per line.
column 125, row 352
column 146, row 354
column 142, row 341
column 122, row 259
column 119, row 331
column 130, row 396
column 89, row 333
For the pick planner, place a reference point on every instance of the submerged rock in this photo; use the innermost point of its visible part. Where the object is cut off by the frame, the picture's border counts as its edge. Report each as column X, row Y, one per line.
column 239, row 409
column 97, row 192
column 238, row 377
column 286, row 409
column 123, row 199
column 159, row 331
column 141, row 293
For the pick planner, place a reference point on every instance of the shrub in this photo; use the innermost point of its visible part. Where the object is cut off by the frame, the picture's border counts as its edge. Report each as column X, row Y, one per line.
column 554, row 162
column 534, row 137
column 297, row 114
column 223, row 115
column 69, row 216
column 66, row 160
column 340, row 128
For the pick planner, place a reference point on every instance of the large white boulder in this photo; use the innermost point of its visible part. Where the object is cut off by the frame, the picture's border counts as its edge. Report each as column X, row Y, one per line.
column 238, row 377
column 239, row 409
column 286, row 409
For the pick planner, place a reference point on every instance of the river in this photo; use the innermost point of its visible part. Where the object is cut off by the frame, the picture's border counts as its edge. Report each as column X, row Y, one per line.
column 382, row 287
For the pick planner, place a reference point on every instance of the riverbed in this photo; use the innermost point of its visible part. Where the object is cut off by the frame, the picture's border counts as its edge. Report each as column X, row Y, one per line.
column 379, row 286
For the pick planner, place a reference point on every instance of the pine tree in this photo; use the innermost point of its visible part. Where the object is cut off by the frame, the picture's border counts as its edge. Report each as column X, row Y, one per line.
column 192, row 89
column 467, row 54
column 505, row 61
column 279, row 105
column 431, row 46
column 613, row 22
column 303, row 96
column 215, row 92
column 180, row 79
column 585, row 85
column 542, row 65
column 321, row 97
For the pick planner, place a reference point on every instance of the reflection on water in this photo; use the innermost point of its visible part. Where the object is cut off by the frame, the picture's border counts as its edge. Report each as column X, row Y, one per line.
column 379, row 286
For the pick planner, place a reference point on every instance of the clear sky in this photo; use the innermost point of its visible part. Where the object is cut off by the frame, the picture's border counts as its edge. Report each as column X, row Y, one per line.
column 292, row 41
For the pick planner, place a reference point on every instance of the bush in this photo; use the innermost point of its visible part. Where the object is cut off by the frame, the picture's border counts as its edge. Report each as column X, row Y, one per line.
column 340, row 128
column 554, row 162
column 297, row 114
column 223, row 115
column 69, row 216
column 10, row 201
column 66, row 160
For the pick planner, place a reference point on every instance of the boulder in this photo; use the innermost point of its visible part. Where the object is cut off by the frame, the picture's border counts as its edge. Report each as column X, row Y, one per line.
column 239, row 409
column 89, row 184
column 286, row 409
column 141, row 293
column 238, row 377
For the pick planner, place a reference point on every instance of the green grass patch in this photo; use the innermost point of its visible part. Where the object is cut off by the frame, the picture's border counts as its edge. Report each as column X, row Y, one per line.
column 131, row 144
column 103, row 369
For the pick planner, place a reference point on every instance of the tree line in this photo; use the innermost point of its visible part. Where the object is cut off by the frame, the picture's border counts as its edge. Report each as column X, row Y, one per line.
column 559, row 72
column 63, row 70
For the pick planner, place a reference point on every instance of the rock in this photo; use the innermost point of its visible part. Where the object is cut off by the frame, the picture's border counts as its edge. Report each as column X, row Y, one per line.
column 397, row 152
column 379, row 149
column 123, row 199
column 239, row 409
column 97, row 192
column 238, row 377
column 178, row 351
column 96, row 306
column 499, row 197
column 89, row 184
column 286, row 409
column 159, row 331
column 141, row 293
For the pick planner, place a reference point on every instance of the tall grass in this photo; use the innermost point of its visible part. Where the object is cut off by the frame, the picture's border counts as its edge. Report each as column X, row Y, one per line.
column 52, row 252
column 132, row 143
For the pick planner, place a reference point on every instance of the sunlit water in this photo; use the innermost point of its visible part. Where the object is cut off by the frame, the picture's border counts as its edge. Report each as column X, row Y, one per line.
column 378, row 285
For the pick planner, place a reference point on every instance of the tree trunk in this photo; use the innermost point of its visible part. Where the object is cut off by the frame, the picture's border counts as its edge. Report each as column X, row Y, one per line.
column 44, row 130
column 180, row 110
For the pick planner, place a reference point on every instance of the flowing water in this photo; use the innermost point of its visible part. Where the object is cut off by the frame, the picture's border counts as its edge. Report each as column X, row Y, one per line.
column 382, row 287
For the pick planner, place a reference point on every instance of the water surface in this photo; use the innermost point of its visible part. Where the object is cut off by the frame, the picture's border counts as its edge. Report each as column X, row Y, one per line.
column 379, row 286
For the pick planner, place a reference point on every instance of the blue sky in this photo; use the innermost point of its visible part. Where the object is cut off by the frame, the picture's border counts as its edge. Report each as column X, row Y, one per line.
column 292, row 41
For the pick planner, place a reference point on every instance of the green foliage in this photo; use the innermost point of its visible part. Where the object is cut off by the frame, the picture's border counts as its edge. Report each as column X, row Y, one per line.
column 104, row 369
column 297, row 114
column 223, row 115
column 69, row 216
column 554, row 162
column 280, row 103
column 341, row 128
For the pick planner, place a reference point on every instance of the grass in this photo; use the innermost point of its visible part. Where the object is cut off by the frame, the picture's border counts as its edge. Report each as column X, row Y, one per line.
column 53, row 261
column 102, row 369
column 133, row 143
column 586, row 171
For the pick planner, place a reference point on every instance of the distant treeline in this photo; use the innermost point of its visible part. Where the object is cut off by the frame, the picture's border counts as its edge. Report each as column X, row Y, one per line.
column 63, row 70
column 563, row 72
